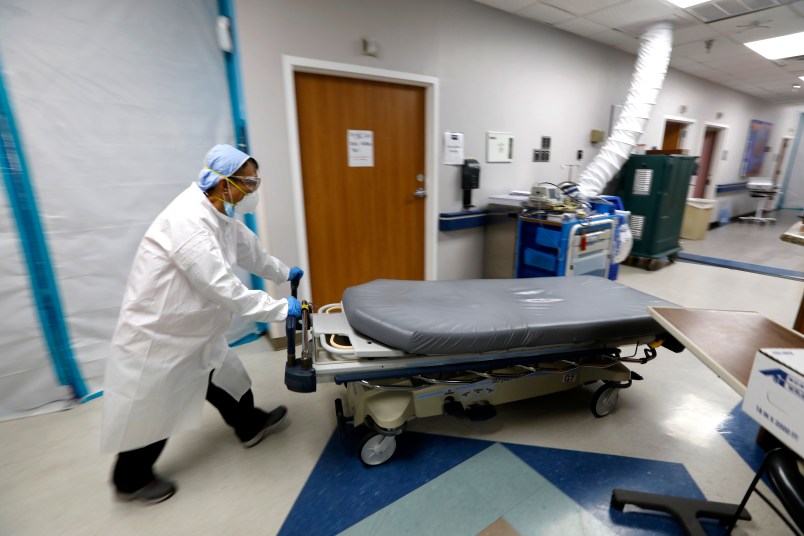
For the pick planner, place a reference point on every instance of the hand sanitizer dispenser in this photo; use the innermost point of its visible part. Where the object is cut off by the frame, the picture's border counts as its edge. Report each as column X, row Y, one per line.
column 470, row 180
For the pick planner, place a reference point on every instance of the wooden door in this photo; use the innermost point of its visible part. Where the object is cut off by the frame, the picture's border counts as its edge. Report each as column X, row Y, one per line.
column 780, row 160
column 363, row 223
column 705, row 163
column 672, row 135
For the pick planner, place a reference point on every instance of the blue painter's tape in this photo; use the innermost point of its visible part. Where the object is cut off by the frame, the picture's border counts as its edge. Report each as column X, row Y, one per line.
column 236, row 100
column 744, row 266
column 93, row 396
column 251, row 337
column 43, row 282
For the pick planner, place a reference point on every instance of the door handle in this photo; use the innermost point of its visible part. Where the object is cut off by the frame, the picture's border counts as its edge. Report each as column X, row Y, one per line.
column 420, row 193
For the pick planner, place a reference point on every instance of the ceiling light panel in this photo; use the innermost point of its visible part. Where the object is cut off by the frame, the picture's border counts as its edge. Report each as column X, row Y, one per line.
column 786, row 46
column 687, row 3
column 722, row 9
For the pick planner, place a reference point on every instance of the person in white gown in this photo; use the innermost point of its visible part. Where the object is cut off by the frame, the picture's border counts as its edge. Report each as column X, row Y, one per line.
column 169, row 350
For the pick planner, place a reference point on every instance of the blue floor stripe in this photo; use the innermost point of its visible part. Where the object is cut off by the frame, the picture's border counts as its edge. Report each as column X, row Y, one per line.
column 341, row 492
column 744, row 266
column 740, row 431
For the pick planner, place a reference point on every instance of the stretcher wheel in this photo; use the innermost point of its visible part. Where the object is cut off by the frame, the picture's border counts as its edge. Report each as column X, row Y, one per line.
column 376, row 449
column 604, row 400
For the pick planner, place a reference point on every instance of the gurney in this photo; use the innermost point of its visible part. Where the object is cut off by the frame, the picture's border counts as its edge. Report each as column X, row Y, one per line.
column 415, row 349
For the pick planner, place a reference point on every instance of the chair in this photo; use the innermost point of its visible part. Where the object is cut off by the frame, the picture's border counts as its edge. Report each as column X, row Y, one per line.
column 782, row 466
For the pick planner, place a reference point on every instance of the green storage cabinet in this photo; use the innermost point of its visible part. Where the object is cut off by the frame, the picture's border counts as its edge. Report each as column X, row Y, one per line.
column 654, row 189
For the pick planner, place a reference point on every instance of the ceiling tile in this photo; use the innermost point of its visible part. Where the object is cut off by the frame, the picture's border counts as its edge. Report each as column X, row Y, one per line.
column 677, row 60
column 761, row 25
column 796, row 68
column 738, row 62
column 632, row 12
column 508, row 5
column 611, row 37
column 694, row 68
column 721, row 47
column 545, row 13
column 692, row 33
column 582, row 27
column 582, row 7
column 618, row 23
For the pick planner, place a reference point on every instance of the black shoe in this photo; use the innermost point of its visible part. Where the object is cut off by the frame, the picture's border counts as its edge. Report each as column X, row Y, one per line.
column 273, row 420
column 157, row 491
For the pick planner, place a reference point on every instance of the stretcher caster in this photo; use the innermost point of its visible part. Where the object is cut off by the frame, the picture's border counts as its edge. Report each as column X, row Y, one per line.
column 604, row 400
column 376, row 449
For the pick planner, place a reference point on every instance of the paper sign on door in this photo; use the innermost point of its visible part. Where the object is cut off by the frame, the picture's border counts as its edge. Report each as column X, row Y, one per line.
column 360, row 147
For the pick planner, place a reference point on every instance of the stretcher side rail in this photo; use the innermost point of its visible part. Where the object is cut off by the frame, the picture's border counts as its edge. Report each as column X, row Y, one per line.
column 480, row 376
column 385, row 369
column 488, row 364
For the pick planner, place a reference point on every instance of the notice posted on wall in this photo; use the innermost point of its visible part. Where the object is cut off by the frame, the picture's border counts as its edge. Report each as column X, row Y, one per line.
column 360, row 147
column 453, row 148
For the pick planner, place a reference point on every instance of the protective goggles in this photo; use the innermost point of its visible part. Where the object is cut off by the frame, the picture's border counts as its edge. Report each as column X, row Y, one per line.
column 252, row 183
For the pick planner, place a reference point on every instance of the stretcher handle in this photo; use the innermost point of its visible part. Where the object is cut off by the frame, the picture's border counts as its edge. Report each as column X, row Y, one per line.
column 290, row 325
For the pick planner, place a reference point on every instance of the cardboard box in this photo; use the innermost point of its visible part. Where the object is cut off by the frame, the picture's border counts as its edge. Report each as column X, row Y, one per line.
column 775, row 395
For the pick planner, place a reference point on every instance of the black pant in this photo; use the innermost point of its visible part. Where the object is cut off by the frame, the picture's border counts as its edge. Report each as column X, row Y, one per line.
column 134, row 468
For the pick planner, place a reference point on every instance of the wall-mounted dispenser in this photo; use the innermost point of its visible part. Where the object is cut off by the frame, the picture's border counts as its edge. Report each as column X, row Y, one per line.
column 470, row 180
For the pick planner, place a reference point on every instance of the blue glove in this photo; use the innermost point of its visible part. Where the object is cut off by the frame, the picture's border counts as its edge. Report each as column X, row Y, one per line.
column 294, row 307
column 296, row 274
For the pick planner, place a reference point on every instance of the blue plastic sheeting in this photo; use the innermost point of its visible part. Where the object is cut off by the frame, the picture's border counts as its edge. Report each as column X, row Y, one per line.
column 107, row 156
column 232, row 62
column 43, row 283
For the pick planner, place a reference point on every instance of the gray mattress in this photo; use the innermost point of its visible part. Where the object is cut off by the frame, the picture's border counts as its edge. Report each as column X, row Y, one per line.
column 484, row 315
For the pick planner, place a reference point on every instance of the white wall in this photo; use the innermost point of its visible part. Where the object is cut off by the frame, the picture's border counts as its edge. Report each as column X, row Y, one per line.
column 497, row 72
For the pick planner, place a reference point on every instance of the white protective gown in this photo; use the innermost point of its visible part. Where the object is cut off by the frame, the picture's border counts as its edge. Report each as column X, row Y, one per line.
column 179, row 301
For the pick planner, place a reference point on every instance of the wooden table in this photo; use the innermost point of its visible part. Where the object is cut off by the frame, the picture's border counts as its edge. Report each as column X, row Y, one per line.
column 726, row 341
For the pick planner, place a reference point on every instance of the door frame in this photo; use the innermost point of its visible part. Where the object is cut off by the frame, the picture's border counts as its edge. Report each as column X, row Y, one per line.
column 679, row 119
column 717, row 154
column 294, row 64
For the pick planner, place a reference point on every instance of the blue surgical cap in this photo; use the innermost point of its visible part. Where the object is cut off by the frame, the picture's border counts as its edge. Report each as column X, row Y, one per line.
column 225, row 160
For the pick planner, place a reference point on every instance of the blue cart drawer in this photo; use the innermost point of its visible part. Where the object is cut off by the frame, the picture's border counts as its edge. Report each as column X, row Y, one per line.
column 539, row 259
column 548, row 238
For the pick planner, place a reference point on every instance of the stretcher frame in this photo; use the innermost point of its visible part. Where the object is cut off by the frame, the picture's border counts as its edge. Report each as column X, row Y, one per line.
column 386, row 388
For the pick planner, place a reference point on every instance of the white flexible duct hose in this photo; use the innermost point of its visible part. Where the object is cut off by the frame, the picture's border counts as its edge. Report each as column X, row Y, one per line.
column 649, row 72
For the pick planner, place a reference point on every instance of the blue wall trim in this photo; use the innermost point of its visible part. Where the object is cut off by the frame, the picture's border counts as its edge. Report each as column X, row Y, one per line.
column 731, row 187
column 43, row 282
column 452, row 221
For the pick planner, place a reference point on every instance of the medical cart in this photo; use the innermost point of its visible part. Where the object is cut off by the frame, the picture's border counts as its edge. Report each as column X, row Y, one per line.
column 654, row 189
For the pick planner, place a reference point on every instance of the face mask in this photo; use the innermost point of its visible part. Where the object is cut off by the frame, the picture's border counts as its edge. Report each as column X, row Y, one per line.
column 229, row 209
column 248, row 204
